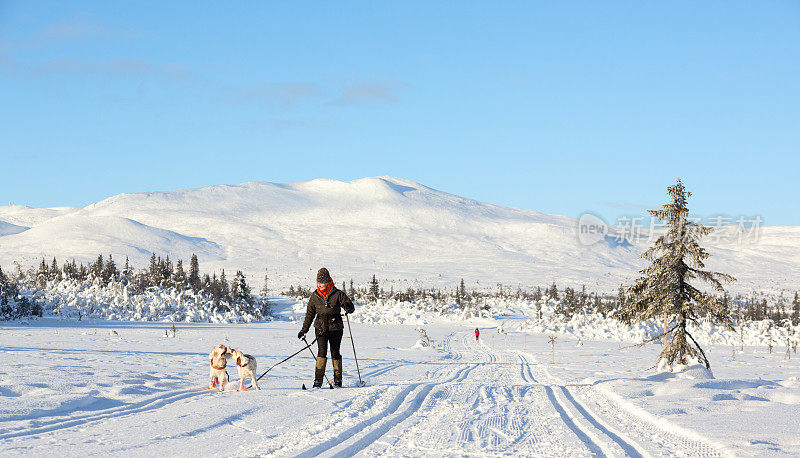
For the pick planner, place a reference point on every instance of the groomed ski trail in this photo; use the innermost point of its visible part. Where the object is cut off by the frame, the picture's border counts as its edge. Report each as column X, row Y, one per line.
column 482, row 400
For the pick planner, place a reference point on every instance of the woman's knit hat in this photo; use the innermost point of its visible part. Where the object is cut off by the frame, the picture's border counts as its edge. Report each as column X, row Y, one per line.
column 323, row 276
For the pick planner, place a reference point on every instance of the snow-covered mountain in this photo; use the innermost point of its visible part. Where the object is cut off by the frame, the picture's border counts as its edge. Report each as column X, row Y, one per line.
column 404, row 232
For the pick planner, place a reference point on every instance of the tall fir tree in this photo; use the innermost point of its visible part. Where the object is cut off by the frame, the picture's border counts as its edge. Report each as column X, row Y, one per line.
column 374, row 289
column 224, row 289
column 240, row 291
column 179, row 279
column 570, row 302
column 127, row 271
column 664, row 288
column 194, row 274
column 42, row 274
column 461, row 294
column 96, row 269
column 109, row 270
column 553, row 292
column 54, row 272
column 796, row 309
column 582, row 298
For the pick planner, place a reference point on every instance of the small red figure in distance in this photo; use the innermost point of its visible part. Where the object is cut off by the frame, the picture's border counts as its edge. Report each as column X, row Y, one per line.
column 477, row 334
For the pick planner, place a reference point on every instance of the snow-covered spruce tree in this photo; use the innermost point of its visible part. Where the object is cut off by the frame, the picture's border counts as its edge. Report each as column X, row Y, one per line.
column 796, row 309
column 664, row 290
column 553, row 292
column 194, row 274
column 374, row 290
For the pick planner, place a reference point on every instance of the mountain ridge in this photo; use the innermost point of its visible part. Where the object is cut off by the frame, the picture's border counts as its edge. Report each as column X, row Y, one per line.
column 404, row 232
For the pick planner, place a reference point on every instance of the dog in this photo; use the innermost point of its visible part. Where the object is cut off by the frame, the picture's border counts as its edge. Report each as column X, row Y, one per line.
column 219, row 361
column 246, row 365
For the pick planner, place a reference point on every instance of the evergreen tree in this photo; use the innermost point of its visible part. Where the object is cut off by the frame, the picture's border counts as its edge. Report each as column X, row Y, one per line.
column 83, row 273
column 553, row 292
column 796, row 310
column 598, row 305
column 461, row 293
column 154, row 271
column 127, row 271
column 352, row 292
column 5, row 308
column 664, row 289
column 179, row 279
column 167, row 273
column 96, row 269
column 537, row 295
column 224, row 289
column 726, row 304
column 374, row 289
column 194, row 274
column 582, row 300
column 240, row 291
column 570, row 302
column 110, row 271
column 205, row 285
column 42, row 275
column 55, row 272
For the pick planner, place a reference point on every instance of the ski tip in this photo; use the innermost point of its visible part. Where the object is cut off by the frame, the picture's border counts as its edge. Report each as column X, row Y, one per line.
column 331, row 385
column 304, row 386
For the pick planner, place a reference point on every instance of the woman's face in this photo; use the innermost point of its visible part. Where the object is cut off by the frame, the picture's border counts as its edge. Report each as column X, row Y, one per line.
column 322, row 285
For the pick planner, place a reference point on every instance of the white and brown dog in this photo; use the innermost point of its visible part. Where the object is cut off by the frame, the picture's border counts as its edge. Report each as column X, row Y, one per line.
column 246, row 365
column 219, row 361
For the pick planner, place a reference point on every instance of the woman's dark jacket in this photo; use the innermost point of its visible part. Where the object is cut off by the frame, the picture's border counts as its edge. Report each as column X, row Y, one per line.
column 328, row 312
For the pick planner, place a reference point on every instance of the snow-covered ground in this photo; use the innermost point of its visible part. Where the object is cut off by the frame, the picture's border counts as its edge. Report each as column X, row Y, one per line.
column 100, row 387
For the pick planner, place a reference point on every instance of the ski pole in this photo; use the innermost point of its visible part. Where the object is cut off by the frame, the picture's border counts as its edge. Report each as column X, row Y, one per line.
column 315, row 357
column 360, row 382
column 308, row 345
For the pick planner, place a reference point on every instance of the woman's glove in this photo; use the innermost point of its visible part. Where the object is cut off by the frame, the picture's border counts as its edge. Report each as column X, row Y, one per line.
column 300, row 335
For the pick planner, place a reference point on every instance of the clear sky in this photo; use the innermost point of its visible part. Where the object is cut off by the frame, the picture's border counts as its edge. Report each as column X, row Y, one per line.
column 559, row 107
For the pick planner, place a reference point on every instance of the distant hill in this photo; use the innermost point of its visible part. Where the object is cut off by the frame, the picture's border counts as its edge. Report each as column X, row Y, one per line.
column 405, row 233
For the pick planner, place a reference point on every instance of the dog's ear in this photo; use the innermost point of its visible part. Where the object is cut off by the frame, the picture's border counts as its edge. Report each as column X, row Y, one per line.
column 238, row 360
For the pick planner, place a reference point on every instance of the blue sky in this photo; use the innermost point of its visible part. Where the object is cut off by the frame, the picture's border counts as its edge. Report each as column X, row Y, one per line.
column 559, row 107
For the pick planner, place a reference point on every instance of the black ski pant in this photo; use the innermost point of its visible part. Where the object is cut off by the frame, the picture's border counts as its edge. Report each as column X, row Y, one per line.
column 332, row 337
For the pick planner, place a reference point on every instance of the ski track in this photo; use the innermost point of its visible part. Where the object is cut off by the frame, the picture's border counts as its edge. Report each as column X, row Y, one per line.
column 640, row 437
column 483, row 401
column 492, row 404
column 116, row 412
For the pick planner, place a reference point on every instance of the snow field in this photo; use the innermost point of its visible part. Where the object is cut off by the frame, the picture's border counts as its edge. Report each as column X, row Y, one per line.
column 77, row 388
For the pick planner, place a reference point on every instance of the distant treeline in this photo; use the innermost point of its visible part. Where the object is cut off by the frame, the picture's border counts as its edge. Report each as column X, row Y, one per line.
column 161, row 274
column 567, row 302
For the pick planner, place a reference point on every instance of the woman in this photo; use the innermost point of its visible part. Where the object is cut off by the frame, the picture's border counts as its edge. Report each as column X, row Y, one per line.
column 326, row 304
